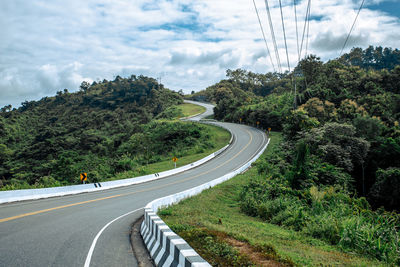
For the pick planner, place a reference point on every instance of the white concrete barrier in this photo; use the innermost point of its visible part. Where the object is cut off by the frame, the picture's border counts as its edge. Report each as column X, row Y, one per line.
column 30, row 194
column 166, row 247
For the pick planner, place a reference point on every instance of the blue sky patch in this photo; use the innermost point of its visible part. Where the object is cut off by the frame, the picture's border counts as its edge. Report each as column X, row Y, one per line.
column 390, row 7
column 47, row 45
column 317, row 18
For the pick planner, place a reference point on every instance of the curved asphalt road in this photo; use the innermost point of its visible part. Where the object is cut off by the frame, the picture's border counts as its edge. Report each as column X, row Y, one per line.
column 60, row 231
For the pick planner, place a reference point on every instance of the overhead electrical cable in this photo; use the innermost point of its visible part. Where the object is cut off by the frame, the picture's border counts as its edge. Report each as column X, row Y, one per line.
column 352, row 26
column 297, row 46
column 262, row 31
column 297, row 31
column 305, row 29
column 306, row 54
column 307, row 17
column 284, row 35
column 271, row 27
column 306, row 51
column 308, row 30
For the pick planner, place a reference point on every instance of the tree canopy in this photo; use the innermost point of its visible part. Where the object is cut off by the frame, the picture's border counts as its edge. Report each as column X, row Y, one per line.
column 105, row 128
column 346, row 110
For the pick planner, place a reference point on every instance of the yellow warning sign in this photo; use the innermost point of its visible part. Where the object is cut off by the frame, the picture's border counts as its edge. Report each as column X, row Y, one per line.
column 83, row 176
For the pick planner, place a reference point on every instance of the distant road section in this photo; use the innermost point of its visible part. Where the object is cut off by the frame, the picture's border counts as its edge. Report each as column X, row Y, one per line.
column 92, row 229
column 209, row 110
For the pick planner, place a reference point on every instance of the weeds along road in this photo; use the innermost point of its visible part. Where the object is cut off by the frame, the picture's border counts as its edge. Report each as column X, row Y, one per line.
column 92, row 229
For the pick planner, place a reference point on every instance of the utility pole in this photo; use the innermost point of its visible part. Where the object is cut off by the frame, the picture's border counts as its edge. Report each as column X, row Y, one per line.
column 294, row 98
column 159, row 81
column 296, row 73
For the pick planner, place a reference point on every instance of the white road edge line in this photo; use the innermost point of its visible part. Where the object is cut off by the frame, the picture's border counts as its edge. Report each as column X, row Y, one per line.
column 90, row 253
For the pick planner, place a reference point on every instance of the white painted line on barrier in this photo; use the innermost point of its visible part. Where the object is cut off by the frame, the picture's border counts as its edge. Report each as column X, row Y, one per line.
column 32, row 194
column 90, row 253
column 174, row 198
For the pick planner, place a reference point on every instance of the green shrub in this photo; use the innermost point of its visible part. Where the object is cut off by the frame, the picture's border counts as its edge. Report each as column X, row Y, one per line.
column 47, row 181
column 386, row 189
column 299, row 176
column 124, row 163
column 326, row 213
column 170, row 113
column 212, row 246
column 378, row 237
column 326, row 227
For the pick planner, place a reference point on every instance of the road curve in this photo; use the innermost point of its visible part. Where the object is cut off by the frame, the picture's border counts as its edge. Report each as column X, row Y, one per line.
column 94, row 227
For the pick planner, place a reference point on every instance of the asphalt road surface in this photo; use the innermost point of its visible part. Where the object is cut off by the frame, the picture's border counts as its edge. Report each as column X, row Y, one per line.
column 92, row 229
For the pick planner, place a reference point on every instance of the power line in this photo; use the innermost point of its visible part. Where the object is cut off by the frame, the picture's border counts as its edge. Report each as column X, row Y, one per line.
column 271, row 27
column 284, row 35
column 308, row 29
column 306, row 52
column 294, row 78
column 307, row 17
column 297, row 32
column 262, row 31
column 352, row 26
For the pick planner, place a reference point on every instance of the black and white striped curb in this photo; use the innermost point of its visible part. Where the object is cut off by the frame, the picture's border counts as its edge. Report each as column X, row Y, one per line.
column 165, row 247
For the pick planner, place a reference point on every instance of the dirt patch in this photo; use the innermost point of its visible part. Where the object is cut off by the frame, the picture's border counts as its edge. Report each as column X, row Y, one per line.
column 259, row 258
column 260, row 255
column 221, row 249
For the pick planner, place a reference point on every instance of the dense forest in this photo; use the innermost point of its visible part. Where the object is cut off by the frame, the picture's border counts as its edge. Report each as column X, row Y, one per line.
column 336, row 174
column 103, row 129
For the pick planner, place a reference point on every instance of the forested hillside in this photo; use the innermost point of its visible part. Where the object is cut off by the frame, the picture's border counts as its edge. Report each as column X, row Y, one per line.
column 104, row 129
column 335, row 100
column 336, row 173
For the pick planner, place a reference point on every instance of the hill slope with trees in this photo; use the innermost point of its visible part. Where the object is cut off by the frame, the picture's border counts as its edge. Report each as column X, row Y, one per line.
column 336, row 173
column 104, row 129
column 347, row 115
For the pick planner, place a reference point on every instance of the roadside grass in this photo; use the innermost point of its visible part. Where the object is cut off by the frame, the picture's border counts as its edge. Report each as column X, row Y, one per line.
column 191, row 109
column 213, row 224
column 219, row 136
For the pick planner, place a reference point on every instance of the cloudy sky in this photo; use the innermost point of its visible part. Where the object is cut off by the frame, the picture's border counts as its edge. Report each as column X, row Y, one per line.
column 49, row 45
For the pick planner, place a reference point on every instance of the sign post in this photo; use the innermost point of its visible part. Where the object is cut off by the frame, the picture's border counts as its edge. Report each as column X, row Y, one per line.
column 175, row 159
column 83, row 177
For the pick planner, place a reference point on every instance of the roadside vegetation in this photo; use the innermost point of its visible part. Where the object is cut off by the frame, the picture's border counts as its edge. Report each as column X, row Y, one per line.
column 110, row 130
column 191, row 109
column 217, row 138
column 334, row 178
column 341, row 129
column 180, row 111
column 215, row 223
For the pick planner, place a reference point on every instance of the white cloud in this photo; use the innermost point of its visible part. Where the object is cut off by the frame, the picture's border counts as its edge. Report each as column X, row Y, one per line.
column 68, row 76
column 47, row 46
